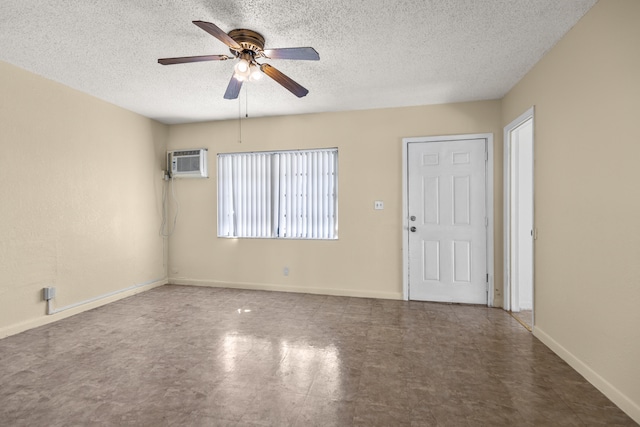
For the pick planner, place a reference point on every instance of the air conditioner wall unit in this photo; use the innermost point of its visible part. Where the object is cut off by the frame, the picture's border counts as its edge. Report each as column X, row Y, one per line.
column 187, row 163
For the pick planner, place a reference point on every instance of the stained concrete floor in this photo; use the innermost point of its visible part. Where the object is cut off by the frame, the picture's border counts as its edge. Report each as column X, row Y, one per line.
column 525, row 317
column 189, row 356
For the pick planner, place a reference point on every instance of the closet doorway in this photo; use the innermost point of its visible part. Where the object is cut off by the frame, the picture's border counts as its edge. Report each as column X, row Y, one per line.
column 519, row 230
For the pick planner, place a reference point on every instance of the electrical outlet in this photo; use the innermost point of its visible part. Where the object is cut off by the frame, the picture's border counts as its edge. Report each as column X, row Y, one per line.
column 48, row 293
column 285, row 271
column 378, row 205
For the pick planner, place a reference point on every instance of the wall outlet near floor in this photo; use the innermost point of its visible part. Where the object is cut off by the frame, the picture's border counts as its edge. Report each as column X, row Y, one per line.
column 285, row 271
column 378, row 205
column 48, row 293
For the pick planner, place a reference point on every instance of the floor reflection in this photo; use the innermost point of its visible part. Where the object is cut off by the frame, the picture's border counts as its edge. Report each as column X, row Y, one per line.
column 525, row 317
column 180, row 355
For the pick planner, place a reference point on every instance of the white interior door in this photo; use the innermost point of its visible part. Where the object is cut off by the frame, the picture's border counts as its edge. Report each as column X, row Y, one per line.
column 521, row 211
column 447, row 221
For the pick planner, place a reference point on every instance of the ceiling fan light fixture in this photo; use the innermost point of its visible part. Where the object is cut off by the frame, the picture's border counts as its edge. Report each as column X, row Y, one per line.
column 255, row 73
column 241, row 77
column 242, row 66
column 242, row 70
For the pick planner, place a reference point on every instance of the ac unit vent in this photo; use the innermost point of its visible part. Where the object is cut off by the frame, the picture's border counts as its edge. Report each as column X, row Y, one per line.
column 187, row 163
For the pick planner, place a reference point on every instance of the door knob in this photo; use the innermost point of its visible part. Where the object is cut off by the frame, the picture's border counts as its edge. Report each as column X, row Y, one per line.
column 412, row 218
column 413, row 229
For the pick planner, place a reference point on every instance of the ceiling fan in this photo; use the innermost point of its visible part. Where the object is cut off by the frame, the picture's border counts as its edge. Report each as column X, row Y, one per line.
column 248, row 47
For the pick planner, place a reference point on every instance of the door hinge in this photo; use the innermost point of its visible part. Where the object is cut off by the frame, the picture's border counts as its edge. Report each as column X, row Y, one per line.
column 487, row 278
column 486, row 156
column 486, row 221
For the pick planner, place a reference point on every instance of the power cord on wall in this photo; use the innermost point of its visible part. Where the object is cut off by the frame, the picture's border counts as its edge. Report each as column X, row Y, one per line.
column 163, row 225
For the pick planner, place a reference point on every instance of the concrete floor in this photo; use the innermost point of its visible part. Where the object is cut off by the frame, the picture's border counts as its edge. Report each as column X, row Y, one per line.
column 525, row 317
column 189, row 356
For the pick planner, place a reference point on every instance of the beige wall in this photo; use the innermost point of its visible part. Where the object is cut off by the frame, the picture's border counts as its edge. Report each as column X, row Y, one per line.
column 79, row 198
column 586, row 93
column 367, row 258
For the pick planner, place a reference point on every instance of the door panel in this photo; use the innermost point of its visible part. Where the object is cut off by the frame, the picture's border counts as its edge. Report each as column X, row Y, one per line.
column 431, row 191
column 461, row 262
column 431, row 259
column 461, row 200
column 447, row 250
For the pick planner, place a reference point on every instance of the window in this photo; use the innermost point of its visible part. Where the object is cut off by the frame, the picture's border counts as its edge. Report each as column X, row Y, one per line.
column 280, row 194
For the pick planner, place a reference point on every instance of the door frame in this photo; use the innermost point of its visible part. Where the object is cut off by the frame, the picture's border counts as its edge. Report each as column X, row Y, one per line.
column 488, row 137
column 529, row 114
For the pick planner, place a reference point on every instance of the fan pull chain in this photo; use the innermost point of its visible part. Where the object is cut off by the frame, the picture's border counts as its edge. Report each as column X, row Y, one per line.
column 239, row 121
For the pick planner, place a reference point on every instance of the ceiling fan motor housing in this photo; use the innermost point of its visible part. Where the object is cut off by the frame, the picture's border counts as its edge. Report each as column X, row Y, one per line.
column 249, row 40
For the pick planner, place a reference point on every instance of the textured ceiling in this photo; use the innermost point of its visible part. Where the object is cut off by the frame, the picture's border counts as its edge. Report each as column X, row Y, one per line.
column 373, row 53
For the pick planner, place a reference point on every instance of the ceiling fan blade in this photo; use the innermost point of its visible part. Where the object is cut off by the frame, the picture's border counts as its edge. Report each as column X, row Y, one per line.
column 285, row 81
column 304, row 53
column 218, row 33
column 187, row 59
column 233, row 89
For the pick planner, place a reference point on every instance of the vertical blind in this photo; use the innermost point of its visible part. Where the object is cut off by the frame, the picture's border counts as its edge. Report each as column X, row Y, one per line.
column 282, row 194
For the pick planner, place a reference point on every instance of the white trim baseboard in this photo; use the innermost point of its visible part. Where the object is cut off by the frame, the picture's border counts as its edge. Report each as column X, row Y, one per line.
column 79, row 308
column 623, row 401
column 287, row 288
